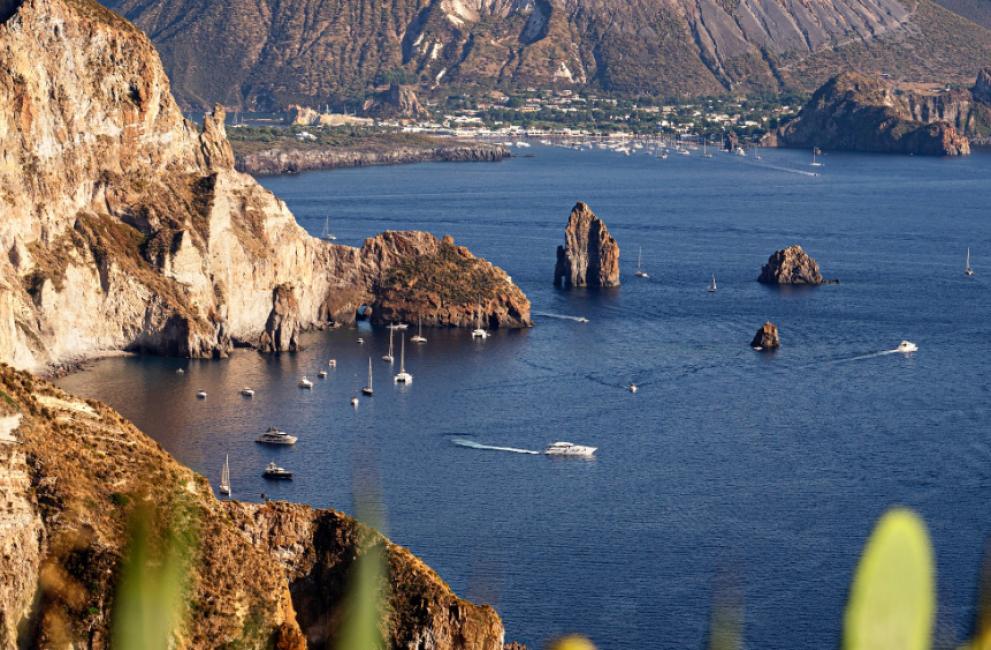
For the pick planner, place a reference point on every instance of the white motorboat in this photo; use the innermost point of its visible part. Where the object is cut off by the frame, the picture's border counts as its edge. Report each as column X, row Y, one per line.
column 907, row 346
column 569, row 449
column 640, row 273
column 322, row 374
column 354, row 402
column 225, row 477
column 967, row 270
column 361, row 341
column 201, row 394
column 325, row 234
column 633, row 388
column 367, row 390
column 712, row 285
column 274, row 471
column 305, row 383
column 403, row 377
column 582, row 319
column 276, row 437
column 388, row 358
column 419, row 338
column 248, row 392
column 332, row 363
column 180, row 371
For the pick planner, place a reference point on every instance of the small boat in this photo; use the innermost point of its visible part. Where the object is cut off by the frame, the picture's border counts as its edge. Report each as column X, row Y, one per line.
column 399, row 326
column 361, row 341
column 907, row 346
column 967, row 270
column 273, row 471
column 180, row 371
column 632, row 388
column 354, row 402
column 322, row 374
column 325, row 234
column 419, row 338
column 479, row 332
column 388, row 358
column 225, row 477
column 640, row 272
column 569, row 449
column 248, row 392
column 276, row 437
column 367, row 390
column 403, row 377
column 305, row 383
column 712, row 285
column 815, row 161
column 582, row 319
column 201, row 394
column 332, row 363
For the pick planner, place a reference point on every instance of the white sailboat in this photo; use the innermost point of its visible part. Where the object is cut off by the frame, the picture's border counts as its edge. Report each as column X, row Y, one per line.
column 815, row 160
column 403, row 377
column 640, row 272
column 367, row 390
column 967, row 270
column 712, row 285
column 225, row 476
column 325, row 234
column 388, row 358
column 479, row 332
column 419, row 338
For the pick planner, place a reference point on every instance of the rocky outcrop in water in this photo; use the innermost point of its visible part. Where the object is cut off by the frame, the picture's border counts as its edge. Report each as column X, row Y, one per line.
column 125, row 227
column 272, row 575
column 590, row 255
column 857, row 112
column 293, row 160
column 791, row 265
column 282, row 327
column 766, row 338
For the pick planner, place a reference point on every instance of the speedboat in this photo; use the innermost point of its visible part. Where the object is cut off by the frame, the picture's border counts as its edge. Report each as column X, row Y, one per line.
column 248, row 392
column 275, row 437
column 582, row 319
column 479, row 333
column 569, row 449
column 180, row 371
column 907, row 346
column 361, row 341
column 332, row 363
column 632, row 388
column 305, row 383
column 322, row 374
column 354, row 402
column 201, row 394
column 275, row 472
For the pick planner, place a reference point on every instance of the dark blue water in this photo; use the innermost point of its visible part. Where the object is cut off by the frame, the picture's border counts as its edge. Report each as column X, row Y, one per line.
column 770, row 468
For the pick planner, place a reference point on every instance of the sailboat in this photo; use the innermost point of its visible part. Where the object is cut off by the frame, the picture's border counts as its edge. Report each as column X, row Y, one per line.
column 325, row 234
column 640, row 272
column 388, row 358
column 712, row 285
column 967, row 270
column 367, row 390
column 225, row 476
column 419, row 338
column 403, row 377
column 815, row 161
column 478, row 332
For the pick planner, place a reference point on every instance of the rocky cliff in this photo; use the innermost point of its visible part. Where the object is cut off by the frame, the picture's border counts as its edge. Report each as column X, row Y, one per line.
column 857, row 112
column 396, row 101
column 259, row 575
column 270, row 54
column 126, row 227
column 791, row 265
column 590, row 255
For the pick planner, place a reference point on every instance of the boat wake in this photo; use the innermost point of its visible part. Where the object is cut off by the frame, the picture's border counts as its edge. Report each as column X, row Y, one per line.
column 862, row 357
column 471, row 444
column 577, row 319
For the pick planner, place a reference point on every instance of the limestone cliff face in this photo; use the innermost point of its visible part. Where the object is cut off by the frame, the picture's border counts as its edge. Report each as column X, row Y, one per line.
column 126, row 227
column 590, row 255
column 856, row 112
column 260, row 575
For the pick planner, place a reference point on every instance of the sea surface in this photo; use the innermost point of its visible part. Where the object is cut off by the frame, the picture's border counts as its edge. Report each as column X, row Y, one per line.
column 765, row 471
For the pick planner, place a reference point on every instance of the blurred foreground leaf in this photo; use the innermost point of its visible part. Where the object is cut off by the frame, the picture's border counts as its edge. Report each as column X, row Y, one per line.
column 574, row 642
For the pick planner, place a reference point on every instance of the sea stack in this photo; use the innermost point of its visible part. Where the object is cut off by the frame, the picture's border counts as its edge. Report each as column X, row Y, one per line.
column 767, row 337
column 791, row 265
column 590, row 255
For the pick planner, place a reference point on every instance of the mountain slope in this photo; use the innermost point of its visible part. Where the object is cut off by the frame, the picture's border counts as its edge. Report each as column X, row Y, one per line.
column 269, row 53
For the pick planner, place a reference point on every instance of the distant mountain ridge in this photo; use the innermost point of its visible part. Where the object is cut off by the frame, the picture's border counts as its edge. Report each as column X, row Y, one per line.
column 265, row 54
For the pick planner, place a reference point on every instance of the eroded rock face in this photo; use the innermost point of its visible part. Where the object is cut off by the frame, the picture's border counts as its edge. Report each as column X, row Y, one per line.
column 263, row 575
column 125, row 226
column 791, row 265
column 282, row 328
column 398, row 101
column 767, row 337
column 590, row 255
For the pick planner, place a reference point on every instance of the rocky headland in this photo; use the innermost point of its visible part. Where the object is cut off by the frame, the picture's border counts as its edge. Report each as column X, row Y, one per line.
column 792, row 265
column 767, row 337
column 590, row 255
column 858, row 112
column 127, row 228
column 271, row 575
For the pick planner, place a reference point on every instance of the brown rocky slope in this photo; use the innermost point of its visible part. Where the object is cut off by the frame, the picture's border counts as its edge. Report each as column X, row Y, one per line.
column 125, row 227
column 259, row 576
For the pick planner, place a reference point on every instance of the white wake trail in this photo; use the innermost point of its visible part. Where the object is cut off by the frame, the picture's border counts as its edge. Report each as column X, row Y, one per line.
column 577, row 319
column 471, row 444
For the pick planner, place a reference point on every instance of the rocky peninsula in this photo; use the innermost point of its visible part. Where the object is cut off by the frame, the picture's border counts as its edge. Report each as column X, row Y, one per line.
column 590, row 255
column 126, row 227
column 792, row 265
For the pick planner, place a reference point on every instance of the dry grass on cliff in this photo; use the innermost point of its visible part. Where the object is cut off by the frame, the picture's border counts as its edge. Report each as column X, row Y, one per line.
column 451, row 277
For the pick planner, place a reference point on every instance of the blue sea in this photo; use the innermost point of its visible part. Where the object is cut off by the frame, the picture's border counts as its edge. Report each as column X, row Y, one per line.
column 767, row 470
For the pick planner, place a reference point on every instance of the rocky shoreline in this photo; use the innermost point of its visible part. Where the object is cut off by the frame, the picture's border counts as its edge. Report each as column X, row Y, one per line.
column 293, row 160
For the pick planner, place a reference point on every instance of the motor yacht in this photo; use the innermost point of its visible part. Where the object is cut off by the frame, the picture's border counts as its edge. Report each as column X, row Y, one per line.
column 248, row 392
column 201, row 394
column 276, row 437
column 275, row 472
column 569, row 449
column 907, row 346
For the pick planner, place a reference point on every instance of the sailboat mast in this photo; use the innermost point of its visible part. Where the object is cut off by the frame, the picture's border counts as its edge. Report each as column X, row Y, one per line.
column 369, row 372
column 402, row 356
